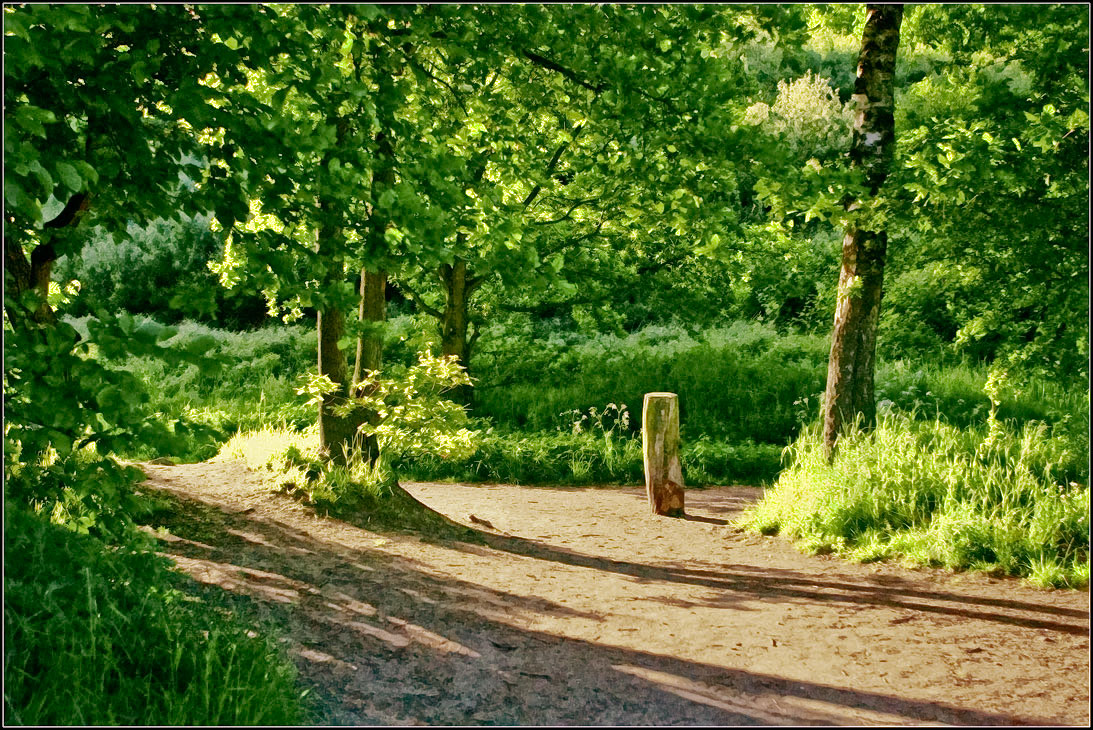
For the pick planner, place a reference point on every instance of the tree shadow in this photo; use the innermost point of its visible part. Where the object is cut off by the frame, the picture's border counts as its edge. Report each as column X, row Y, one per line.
column 742, row 582
column 385, row 641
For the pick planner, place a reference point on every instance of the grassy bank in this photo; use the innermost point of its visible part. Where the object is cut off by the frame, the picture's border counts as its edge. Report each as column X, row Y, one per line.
column 997, row 498
column 98, row 634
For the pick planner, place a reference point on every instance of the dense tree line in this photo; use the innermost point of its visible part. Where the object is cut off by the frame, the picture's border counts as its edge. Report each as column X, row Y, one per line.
column 605, row 166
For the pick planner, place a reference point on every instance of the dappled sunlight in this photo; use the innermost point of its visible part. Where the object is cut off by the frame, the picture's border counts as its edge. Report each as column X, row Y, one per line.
column 259, row 540
column 234, row 578
column 724, row 632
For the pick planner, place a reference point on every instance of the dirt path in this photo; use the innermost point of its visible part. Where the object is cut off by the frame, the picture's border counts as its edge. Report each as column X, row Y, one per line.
column 584, row 609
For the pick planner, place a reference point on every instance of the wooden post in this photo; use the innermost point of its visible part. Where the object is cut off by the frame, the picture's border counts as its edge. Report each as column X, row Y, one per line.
column 660, row 444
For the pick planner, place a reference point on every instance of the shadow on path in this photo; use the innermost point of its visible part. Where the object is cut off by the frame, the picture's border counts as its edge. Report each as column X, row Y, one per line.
column 741, row 582
column 386, row 643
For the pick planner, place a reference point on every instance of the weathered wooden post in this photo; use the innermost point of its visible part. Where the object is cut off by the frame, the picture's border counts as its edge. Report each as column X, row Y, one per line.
column 660, row 444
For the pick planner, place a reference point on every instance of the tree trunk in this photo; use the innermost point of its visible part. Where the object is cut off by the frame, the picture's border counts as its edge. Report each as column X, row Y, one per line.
column 22, row 274
column 373, row 309
column 337, row 434
column 338, row 438
column 454, row 323
column 853, row 344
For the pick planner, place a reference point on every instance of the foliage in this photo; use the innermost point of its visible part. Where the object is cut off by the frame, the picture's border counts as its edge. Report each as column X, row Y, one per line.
column 808, row 116
column 997, row 498
column 410, row 414
column 160, row 270
column 99, row 635
column 593, row 458
column 720, row 374
column 66, row 411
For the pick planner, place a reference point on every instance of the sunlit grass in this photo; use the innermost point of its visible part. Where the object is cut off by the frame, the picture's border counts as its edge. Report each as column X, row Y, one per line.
column 103, row 635
column 291, row 461
column 928, row 493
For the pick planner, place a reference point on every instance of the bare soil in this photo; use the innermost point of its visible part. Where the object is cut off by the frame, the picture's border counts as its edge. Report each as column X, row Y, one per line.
column 582, row 608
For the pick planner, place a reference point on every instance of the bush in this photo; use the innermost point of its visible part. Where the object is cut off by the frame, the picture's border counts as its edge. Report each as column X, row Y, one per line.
column 994, row 498
column 100, row 635
column 160, row 270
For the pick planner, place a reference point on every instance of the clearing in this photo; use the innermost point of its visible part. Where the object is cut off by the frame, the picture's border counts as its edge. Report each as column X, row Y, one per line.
column 584, row 609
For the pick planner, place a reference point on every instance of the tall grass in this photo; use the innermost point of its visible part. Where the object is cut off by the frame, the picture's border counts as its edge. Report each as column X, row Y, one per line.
column 997, row 498
column 735, row 383
column 745, row 391
column 100, row 635
column 576, row 459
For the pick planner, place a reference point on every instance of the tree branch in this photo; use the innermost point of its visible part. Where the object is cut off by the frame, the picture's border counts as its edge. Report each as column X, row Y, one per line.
column 554, row 163
column 75, row 206
column 431, row 311
column 568, row 213
column 568, row 73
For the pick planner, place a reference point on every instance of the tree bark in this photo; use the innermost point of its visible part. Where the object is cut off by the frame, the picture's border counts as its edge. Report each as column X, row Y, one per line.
column 23, row 274
column 454, row 325
column 373, row 309
column 338, row 434
column 850, row 372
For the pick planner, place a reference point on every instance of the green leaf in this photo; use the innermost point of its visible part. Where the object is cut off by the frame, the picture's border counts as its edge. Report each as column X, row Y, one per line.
column 69, row 177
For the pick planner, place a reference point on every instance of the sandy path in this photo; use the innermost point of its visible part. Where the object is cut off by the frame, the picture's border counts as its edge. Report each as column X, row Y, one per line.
column 591, row 611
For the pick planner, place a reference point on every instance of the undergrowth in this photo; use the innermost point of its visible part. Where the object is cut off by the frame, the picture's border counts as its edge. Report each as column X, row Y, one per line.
column 290, row 462
column 589, row 458
column 997, row 498
column 105, row 635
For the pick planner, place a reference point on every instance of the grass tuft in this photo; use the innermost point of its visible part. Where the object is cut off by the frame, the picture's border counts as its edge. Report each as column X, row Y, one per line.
column 366, row 495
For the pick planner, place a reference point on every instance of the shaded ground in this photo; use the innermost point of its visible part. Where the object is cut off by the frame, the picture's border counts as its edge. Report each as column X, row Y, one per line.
column 582, row 608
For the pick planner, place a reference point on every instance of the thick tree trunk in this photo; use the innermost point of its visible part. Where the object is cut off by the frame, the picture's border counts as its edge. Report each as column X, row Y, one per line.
column 857, row 311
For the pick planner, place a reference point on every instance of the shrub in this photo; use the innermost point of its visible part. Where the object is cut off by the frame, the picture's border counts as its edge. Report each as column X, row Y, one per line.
column 161, row 270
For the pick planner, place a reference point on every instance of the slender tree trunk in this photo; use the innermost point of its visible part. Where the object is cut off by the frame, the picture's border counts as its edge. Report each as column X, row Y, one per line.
column 853, row 345
column 338, row 437
column 337, row 434
column 454, row 328
column 373, row 310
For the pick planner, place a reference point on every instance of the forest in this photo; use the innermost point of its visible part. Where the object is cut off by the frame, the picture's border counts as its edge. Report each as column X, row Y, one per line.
column 358, row 248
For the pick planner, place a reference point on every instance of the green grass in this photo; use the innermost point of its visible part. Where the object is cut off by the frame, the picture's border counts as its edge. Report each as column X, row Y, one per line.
column 735, row 383
column 102, row 635
column 738, row 385
column 593, row 458
column 368, row 496
column 999, row 499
